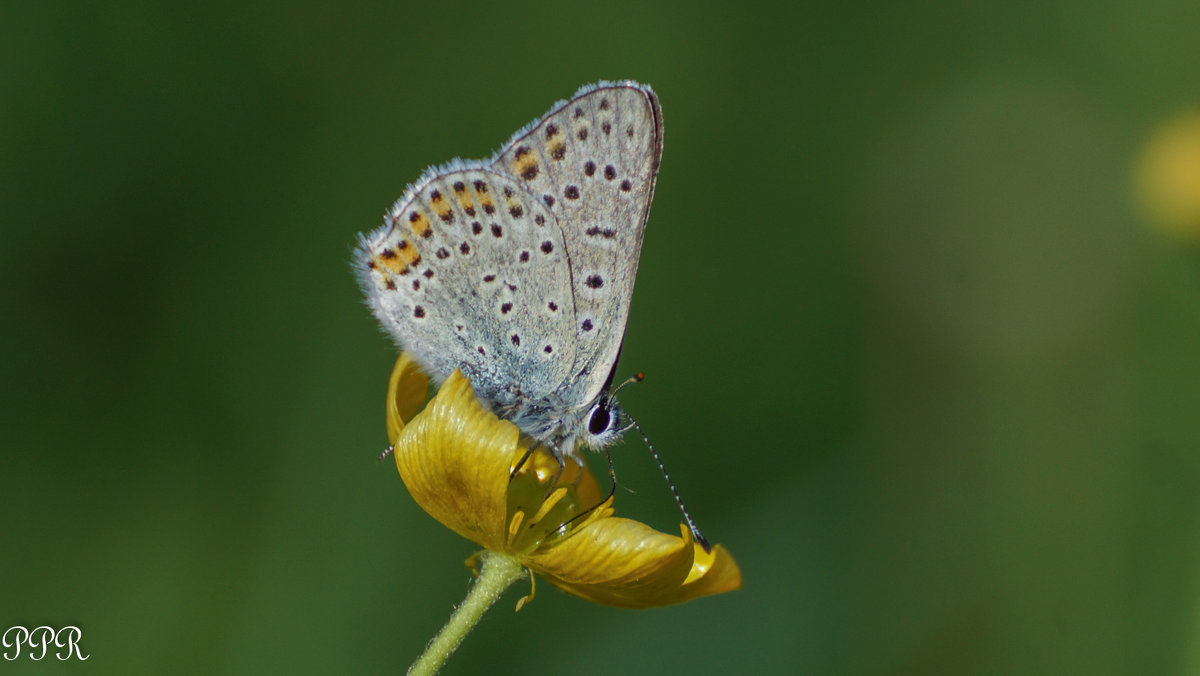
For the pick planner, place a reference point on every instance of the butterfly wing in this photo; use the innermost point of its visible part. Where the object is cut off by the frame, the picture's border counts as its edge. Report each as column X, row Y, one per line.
column 469, row 270
column 592, row 161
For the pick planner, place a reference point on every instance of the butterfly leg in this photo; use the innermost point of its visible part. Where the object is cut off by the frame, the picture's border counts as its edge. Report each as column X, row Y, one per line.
column 612, row 474
column 557, row 474
column 521, row 463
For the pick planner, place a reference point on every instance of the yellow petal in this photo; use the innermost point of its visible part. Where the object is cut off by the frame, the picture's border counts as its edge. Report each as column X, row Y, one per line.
column 455, row 457
column 621, row 562
column 713, row 572
column 407, row 389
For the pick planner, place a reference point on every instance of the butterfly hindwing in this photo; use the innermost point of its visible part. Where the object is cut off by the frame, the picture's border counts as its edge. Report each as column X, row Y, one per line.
column 470, row 271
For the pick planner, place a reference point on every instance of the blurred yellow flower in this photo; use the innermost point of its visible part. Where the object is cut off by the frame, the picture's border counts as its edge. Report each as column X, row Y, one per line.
column 1168, row 177
column 456, row 458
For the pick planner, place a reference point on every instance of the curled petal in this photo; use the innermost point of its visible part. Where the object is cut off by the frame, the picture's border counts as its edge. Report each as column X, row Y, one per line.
column 713, row 572
column 454, row 457
column 621, row 562
column 407, row 390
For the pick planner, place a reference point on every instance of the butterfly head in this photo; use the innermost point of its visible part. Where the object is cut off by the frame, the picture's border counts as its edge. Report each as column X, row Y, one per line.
column 604, row 423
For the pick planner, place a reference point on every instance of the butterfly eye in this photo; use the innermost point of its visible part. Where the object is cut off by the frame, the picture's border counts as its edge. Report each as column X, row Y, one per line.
column 598, row 422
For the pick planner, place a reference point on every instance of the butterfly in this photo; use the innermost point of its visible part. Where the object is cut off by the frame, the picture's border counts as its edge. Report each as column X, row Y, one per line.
column 519, row 269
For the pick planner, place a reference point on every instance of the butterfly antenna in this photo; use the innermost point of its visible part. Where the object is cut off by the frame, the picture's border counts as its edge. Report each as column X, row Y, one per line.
column 699, row 537
column 635, row 378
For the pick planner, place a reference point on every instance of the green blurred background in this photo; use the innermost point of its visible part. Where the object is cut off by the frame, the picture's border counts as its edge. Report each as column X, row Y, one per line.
column 911, row 353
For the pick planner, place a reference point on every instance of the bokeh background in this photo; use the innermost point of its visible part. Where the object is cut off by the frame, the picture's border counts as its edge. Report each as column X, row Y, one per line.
column 914, row 353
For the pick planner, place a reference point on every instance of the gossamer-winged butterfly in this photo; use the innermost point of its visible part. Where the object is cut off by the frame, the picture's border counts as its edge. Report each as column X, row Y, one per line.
column 519, row 269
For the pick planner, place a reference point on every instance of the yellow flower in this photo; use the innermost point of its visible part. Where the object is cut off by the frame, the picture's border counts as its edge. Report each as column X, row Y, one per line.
column 1168, row 177
column 456, row 459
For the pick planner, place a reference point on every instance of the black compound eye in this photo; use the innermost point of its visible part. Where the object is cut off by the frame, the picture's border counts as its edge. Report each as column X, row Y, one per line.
column 599, row 420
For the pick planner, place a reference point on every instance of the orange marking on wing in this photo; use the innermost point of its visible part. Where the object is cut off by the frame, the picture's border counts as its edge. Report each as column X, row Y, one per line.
column 396, row 258
column 388, row 259
column 526, row 165
column 410, row 255
column 465, row 202
column 419, row 224
column 485, row 200
column 441, row 206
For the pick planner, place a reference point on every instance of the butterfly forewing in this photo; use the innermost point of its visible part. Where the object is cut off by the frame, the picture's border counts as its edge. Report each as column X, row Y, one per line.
column 592, row 162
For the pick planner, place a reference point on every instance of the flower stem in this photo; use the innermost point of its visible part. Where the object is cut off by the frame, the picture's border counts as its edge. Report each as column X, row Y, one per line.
column 498, row 572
